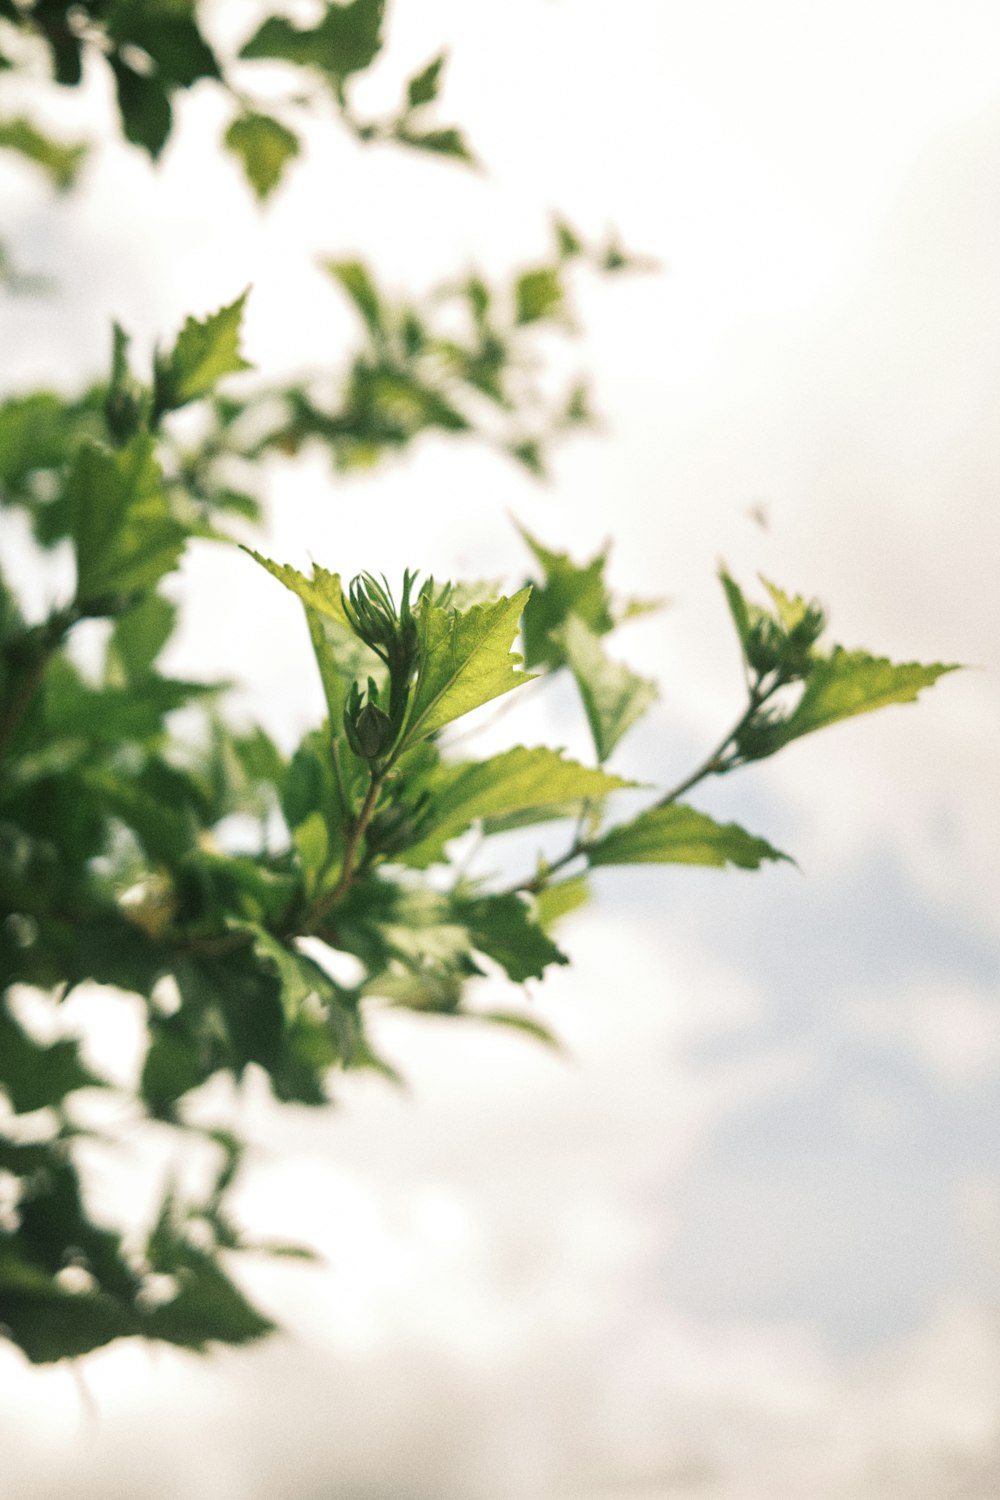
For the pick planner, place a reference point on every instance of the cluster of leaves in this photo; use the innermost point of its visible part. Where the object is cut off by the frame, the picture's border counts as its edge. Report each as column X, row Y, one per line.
column 116, row 863
column 115, row 870
column 156, row 49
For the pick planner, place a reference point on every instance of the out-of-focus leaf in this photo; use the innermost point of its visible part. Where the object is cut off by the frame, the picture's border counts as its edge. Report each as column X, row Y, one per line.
column 265, row 147
column 60, row 162
column 504, row 929
column 124, row 535
column 205, row 351
column 614, row 697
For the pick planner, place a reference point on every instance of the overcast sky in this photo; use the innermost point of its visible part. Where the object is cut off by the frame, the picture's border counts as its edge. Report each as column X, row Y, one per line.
column 742, row 1242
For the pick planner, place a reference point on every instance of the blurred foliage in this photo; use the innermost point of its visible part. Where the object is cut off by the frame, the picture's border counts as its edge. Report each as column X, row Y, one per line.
column 116, row 867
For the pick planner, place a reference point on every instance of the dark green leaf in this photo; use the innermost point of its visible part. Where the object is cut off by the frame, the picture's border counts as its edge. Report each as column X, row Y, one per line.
column 36, row 1076
column 423, row 86
column 145, row 107
column 503, row 928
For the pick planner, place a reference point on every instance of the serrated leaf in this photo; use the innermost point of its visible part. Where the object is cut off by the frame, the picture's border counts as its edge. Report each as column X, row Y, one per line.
column 614, row 697
column 465, row 661
column 791, row 609
column 504, row 929
column 535, row 784
column 356, row 280
column 321, row 592
column 124, row 535
column 678, row 834
column 567, row 589
column 265, row 147
column 205, row 351
column 298, row 975
column 60, row 162
column 847, row 683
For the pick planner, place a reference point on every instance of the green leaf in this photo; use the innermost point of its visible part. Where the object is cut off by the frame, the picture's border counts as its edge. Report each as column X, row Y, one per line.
column 465, row 661
column 60, row 162
column 503, row 928
column 35, row 1076
column 138, row 638
column 265, row 147
column 207, row 1307
column 356, row 280
column 678, row 834
column 205, row 351
column 423, row 86
column 124, row 535
column 554, row 902
column 852, row 682
column 322, row 592
column 568, row 589
column 63, row 1325
column 446, row 142
column 535, row 784
column 347, row 39
column 613, row 696
column 538, row 294
column 298, row 975
column 168, row 33
column 515, row 1020
column 144, row 104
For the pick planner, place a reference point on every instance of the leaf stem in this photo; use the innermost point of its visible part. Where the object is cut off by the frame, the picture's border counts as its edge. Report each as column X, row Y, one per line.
column 358, row 828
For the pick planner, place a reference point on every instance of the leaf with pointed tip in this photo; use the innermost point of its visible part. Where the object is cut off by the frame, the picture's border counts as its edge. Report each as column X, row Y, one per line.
column 265, row 147
column 423, row 86
column 206, row 349
column 535, row 784
column 60, row 162
column 37, row 1076
column 852, row 682
column 465, row 661
column 356, row 280
column 678, row 834
column 124, row 535
column 567, row 589
column 614, row 697
column 321, row 592
column 515, row 1020
column 504, row 929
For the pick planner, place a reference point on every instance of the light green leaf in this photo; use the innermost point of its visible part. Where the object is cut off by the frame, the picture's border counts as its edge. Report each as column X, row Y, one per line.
column 678, row 834
column 265, row 147
column 516, row 1020
column 205, row 351
column 321, row 592
column 60, row 162
column 312, row 841
column 536, row 783
column 356, row 280
column 124, row 535
column 557, row 901
column 613, row 696
column 538, row 294
column 852, row 682
column 504, row 929
column 791, row 609
column 465, row 660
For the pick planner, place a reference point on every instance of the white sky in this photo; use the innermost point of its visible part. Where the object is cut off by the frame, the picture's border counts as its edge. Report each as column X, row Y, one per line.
column 745, row 1242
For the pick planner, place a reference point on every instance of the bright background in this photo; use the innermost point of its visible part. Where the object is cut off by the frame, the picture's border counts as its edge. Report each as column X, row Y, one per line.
column 742, row 1242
